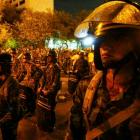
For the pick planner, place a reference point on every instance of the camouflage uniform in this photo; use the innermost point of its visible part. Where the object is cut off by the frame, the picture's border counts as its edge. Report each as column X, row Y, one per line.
column 9, row 115
column 81, row 67
column 28, row 76
column 107, row 109
column 46, row 102
column 117, row 56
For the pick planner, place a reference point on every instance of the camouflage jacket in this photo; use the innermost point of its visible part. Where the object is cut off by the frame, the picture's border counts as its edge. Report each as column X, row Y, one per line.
column 29, row 76
column 106, row 108
column 50, row 84
column 9, row 100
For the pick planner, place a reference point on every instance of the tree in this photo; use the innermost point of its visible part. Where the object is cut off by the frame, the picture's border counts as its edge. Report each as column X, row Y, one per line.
column 5, row 33
column 61, row 24
column 9, row 14
column 34, row 27
column 64, row 23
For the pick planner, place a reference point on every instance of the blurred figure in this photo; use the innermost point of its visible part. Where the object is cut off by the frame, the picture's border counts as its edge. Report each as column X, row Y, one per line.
column 81, row 71
column 81, row 66
column 47, row 92
column 91, row 62
column 15, row 63
column 28, row 76
column 9, row 90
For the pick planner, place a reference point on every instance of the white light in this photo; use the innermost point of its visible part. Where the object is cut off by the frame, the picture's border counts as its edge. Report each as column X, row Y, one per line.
column 92, row 46
column 51, row 44
column 82, row 34
column 88, row 41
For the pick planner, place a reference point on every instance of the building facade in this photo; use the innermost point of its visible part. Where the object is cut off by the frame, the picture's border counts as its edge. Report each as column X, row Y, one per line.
column 34, row 5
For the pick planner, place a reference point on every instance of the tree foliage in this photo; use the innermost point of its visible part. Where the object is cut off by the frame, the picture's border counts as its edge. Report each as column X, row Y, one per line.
column 37, row 26
column 9, row 14
column 33, row 26
column 5, row 33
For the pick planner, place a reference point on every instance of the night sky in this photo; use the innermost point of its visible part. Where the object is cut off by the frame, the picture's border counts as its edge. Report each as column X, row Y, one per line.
column 74, row 6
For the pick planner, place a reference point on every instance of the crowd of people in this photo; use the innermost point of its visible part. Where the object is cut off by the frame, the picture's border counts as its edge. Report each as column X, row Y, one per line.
column 30, row 81
column 106, row 92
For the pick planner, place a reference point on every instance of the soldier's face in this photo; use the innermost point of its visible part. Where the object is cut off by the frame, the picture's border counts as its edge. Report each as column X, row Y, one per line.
column 49, row 59
column 113, row 50
column 25, row 60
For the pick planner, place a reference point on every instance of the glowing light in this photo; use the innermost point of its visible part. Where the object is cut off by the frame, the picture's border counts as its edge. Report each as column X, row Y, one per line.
column 88, row 41
column 82, row 34
column 58, row 43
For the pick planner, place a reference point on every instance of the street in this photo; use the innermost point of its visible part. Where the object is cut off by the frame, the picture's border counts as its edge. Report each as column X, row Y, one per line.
column 28, row 130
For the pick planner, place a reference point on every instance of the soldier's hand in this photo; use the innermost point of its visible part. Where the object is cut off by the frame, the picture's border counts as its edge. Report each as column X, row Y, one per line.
column 6, row 118
column 39, row 90
column 45, row 92
column 68, row 136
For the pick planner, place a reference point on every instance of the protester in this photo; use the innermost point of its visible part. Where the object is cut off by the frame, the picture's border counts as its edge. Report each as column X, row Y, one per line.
column 114, row 90
column 8, row 99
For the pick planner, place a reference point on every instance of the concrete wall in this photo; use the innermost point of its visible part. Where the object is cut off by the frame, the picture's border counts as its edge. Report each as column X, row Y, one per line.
column 40, row 5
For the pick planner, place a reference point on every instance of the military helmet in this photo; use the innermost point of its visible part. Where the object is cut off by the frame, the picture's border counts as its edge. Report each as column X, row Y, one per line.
column 5, row 58
column 110, row 15
column 52, row 53
column 115, row 17
column 5, row 63
column 27, row 56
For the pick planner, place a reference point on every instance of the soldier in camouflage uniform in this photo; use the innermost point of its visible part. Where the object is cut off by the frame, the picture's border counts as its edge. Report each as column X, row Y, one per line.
column 47, row 94
column 81, row 66
column 15, row 62
column 9, row 88
column 116, row 86
column 28, row 76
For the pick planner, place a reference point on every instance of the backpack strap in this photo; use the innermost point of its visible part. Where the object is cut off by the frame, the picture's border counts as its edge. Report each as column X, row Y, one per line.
column 89, row 96
column 113, row 121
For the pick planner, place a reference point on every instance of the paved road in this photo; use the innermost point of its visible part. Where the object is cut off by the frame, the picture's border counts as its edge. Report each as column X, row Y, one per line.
column 28, row 129
column 62, row 113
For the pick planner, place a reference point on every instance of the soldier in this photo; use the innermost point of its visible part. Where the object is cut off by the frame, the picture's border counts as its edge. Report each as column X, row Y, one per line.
column 8, row 99
column 111, row 105
column 47, row 94
column 15, row 62
column 81, row 71
column 28, row 76
column 81, row 66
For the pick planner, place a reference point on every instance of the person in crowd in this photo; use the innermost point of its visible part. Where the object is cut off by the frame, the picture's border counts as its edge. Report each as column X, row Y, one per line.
column 30, row 72
column 91, row 62
column 9, row 90
column 114, row 91
column 15, row 62
column 81, row 71
column 28, row 76
column 81, row 66
column 47, row 92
